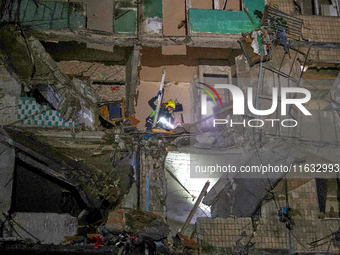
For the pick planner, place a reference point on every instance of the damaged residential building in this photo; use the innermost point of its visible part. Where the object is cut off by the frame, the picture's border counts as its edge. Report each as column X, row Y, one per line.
column 255, row 87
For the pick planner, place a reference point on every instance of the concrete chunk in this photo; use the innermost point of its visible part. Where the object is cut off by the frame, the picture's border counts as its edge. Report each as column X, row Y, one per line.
column 45, row 227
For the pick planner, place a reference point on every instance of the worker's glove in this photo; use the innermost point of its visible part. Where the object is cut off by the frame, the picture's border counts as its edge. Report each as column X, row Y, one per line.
column 159, row 93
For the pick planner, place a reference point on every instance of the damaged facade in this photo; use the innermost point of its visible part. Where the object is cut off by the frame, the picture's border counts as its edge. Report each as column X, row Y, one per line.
column 77, row 165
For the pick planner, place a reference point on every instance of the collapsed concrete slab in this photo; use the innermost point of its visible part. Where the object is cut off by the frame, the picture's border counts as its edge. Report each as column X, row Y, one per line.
column 137, row 222
column 96, row 187
column 41, row 227
column 240, row 194
column 27, row 61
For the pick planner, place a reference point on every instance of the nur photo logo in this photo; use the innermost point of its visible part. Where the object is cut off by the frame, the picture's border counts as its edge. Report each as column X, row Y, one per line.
column 238, row 104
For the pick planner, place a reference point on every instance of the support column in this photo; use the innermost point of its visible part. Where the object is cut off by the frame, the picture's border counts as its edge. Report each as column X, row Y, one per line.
column 132, row 79
column 152, row 177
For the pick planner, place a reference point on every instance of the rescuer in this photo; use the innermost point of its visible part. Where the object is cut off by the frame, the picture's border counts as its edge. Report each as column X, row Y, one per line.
column 165, row 117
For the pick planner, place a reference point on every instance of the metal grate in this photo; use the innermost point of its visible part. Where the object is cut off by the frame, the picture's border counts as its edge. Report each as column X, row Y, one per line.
column 280, row 21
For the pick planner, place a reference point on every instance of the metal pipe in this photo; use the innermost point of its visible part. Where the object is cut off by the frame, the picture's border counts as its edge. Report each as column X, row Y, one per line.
column 259, row 80
column 159, row 101
column 147, row 187
column 197, row 203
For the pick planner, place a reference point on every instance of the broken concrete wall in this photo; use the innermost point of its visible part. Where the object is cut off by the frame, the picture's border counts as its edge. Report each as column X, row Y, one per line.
column 10, row 91
column 178, row 68
column 109, row 82
column 321, row 28
column 325, row 55
column 317, row 29
column 56, row 15
column 100, row 17
column 141, row 222
column 7, row 161
column 250, row 188
column 268, row 232
column 34, row 66
column 302, row 197
column 152, row 177
column 222, row 233
column 100, row 181
column 96, row 72
column 44, row 227
column 173, row 91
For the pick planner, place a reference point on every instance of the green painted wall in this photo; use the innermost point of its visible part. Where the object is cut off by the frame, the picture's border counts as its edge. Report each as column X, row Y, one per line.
column 53, row 15
column 153, row 8
column 253, row 5
column 218, row 21
column 127, row 21
column 225, row 22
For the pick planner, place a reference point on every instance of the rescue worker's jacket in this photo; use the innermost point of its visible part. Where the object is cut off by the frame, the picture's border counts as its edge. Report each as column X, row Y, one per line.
column 163, row 112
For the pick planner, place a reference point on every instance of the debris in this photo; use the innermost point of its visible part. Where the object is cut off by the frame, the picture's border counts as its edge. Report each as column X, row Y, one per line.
column 187, row 241
column 241, row 249
column 97, row 240
column 73, row 98
column 206, row 140
column 225, row 195
column 147, row 224
column 285, row 216
column 197, row 203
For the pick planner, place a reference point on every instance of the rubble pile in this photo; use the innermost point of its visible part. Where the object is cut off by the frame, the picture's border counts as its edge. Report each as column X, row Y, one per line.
column 152, row 177
column 34, row 68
